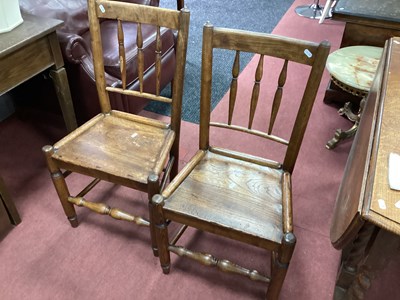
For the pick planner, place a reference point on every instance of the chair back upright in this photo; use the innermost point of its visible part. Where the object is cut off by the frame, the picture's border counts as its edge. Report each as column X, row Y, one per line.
column 142, row 15
column 289, row 50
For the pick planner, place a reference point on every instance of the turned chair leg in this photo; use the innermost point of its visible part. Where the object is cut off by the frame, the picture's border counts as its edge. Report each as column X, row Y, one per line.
column 161, row 230
column 154, row 188
column 279, row 265
column 60, row 185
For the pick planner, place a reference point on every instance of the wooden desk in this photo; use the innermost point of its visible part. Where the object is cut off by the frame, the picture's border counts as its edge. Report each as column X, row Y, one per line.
column 368, row 22
column 29, row 49
column 366, row 221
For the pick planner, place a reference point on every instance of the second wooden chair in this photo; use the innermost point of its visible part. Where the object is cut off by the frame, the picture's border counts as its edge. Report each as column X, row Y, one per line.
column 235, row 194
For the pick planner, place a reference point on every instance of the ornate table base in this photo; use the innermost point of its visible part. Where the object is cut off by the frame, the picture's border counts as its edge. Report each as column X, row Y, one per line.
column 341, row 135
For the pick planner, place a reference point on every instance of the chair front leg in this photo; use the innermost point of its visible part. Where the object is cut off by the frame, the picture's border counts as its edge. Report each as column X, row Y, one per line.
column 60, row 185
column 280, row 264
column 161, row 230
column 153, row 189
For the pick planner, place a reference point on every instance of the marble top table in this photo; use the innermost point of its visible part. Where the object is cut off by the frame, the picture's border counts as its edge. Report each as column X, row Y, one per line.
column 353, row 70
column 354, row 66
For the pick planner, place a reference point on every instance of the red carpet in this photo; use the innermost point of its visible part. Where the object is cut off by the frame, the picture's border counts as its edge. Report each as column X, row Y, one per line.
column 44, row 258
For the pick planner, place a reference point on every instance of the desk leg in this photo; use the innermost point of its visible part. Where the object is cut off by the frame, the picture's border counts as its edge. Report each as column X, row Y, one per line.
column 60, row 81
column 384, row 247
column 9, row 204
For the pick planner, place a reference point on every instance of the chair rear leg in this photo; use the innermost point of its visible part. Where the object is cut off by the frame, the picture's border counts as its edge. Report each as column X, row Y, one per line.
column 154, row 188
column 175, row 166
column 161, row 230
column 280, row 264
column 60, row 185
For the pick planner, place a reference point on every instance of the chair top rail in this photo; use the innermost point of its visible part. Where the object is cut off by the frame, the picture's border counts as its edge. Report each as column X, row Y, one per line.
column 282, row 47
column 141, row 14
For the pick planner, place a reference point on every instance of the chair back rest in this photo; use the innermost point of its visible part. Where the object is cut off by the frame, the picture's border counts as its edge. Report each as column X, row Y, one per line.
column 285, row 50
column 144, row 15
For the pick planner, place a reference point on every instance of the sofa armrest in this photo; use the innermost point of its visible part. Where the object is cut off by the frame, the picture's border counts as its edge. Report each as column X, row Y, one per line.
column 75, row 50
column 86, row 64
column 73, row 47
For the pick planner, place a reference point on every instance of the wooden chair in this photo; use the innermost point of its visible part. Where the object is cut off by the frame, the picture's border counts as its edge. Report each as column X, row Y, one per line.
column 235, row 194
column 126, row 149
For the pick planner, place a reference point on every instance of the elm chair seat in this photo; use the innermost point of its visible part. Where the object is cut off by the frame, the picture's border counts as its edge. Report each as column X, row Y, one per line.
column 111, row 156
column 251, row 185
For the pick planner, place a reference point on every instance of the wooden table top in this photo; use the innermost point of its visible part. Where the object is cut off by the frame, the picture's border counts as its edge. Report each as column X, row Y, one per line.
column 31, row 29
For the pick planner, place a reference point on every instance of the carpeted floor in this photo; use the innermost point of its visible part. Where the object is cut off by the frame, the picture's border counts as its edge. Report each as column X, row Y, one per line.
column 44, row 258
column 264, row 17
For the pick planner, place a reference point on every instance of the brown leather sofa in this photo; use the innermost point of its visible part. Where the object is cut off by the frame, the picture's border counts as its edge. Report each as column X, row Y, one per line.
column 74, row 38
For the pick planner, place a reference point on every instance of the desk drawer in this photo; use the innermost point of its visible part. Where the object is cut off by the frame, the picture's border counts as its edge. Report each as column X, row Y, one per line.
column 25, row 63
